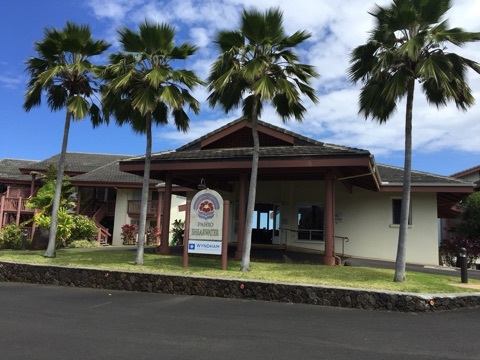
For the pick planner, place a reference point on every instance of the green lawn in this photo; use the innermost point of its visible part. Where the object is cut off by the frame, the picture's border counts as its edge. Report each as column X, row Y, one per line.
column 346, row 276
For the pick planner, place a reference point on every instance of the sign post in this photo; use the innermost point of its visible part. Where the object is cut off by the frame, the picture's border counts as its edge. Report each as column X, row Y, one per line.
column 206, row 228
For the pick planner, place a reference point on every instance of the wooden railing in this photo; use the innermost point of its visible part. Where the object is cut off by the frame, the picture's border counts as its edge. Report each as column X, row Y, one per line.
column 134, row 208
column 15, row 204
column 102, row 234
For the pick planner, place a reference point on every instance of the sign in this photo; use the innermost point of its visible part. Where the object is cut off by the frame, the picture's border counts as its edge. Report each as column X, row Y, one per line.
column 206, row 223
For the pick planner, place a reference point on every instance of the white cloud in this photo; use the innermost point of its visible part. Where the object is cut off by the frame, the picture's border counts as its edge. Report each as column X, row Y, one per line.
column 336, row 28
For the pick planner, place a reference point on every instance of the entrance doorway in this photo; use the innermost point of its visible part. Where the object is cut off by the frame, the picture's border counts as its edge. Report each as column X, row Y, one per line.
column 266, row 224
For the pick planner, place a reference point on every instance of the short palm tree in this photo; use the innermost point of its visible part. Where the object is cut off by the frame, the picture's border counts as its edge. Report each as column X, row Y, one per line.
column 63, row 73
column 408, row 46
column 143, row 87
column 257, row 64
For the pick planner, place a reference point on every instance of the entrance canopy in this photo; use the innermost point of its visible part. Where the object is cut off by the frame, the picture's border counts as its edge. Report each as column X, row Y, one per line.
column 222, row 156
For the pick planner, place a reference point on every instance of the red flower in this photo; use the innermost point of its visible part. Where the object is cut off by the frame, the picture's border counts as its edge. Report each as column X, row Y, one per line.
column 206, row 206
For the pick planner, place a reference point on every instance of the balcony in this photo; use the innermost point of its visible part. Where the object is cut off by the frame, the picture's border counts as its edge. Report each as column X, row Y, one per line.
column 134, row 208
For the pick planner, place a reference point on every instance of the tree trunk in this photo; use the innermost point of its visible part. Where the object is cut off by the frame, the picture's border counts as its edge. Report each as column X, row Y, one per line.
column 50, row 252
column 247, row 243
column 400, row 275
column 145, row 189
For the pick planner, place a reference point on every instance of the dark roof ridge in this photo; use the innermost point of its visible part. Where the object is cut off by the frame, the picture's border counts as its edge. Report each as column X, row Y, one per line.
column 466, row 171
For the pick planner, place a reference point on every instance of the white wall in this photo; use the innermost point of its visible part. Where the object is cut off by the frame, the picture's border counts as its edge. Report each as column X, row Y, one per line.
column 121, row 217
column 365, row 217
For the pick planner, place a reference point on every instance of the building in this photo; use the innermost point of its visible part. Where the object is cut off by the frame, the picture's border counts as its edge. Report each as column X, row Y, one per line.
column 310, row 195
column 108, row 196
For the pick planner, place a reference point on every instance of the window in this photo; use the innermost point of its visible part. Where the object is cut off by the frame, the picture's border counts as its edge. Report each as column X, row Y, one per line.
column 396, row 210
column 310, row 222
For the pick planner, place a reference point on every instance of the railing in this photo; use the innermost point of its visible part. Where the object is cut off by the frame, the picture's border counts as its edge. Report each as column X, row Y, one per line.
column 314, row 235
column 134, row 207
column 310, row 234
column 100, row 213
column 102, row 234
column 15, row 205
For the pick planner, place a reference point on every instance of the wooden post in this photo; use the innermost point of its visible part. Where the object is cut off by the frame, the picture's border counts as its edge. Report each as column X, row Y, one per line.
column 186, row 235
column 159, row 214
column 167, row 203
column 242, row 213
column 328, row 258
column 226, row 208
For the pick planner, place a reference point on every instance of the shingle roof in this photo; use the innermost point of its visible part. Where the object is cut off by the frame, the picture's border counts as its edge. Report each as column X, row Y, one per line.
column 109, row 173
column 76, row 162
column 325, row 150
column 9, row 169
column 393, row 175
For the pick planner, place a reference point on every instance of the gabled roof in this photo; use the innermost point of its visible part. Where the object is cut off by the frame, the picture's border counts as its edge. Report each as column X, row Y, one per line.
column 474, row 169
column 239, row 132
column 75, row 163
column 9, row 169
column 234, row 141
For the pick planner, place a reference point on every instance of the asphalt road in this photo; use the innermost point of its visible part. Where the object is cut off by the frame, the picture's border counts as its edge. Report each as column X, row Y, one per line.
column 47, row 322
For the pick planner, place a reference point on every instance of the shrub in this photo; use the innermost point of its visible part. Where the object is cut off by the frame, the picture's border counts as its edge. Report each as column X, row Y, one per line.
column 178, row 231
column 11, row 237
column 450, row 248
column 151, row 235
column 83, row 228
column 78, row 244
column 129, row 234
column 64, row 225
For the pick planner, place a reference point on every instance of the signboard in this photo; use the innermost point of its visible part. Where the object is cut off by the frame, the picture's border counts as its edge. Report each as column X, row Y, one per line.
column 206, row 223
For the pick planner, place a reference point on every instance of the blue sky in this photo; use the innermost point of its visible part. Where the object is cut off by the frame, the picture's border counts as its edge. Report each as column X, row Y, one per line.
column 445, row 140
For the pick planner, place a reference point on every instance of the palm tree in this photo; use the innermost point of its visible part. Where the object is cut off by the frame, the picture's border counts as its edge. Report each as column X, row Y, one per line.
column 409, row 45
column 63, row 73
column 142, row 87
column 257, row 64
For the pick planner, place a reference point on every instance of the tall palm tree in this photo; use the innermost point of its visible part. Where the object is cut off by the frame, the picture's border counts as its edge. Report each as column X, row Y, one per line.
column 257, row 64
column 63, row 73
column 408, row 46
column 143, row 87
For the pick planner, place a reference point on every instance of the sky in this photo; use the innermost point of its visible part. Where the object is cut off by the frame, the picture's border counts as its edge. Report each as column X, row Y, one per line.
column 445, row 140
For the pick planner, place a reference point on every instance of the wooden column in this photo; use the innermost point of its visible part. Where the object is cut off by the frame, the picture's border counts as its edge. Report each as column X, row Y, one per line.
column 167, row 203
column 32, row 185
column 242, row 214
column 329, row 258
column 159, row 213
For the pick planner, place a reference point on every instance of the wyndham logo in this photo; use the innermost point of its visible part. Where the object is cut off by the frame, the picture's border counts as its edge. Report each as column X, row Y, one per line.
column 191, row 246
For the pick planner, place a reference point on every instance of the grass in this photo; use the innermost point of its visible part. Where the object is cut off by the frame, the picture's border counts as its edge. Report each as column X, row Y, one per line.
column 344, row 276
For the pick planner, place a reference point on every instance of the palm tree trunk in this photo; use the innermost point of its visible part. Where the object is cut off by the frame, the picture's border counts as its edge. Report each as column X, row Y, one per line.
column 247, row 243
column 145, row 189
column 50, row 252
column 400, row 275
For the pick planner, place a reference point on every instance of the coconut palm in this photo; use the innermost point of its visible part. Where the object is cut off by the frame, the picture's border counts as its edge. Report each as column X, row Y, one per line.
column 63, row 73
column 143, row 87
column 256, row 65
column 408, row 46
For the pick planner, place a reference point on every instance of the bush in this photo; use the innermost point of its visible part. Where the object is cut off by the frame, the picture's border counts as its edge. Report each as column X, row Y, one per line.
column 450, row 248
column 83, row 228
column 78, row 244
column 11, row 237
column 151, row 235
column 178, row 231
column 64, row 225
column 129, row 234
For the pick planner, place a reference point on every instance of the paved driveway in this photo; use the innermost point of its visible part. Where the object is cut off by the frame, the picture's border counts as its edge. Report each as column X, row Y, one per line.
column 48, row 322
